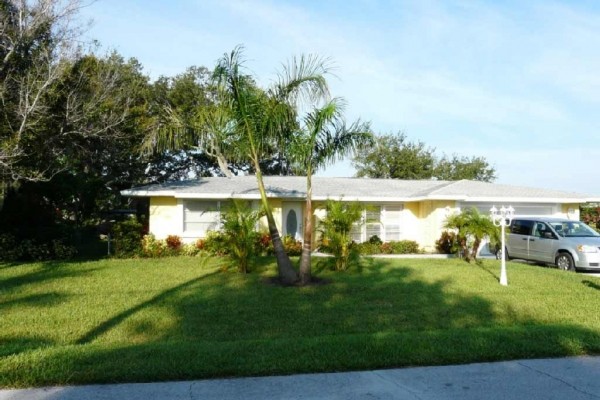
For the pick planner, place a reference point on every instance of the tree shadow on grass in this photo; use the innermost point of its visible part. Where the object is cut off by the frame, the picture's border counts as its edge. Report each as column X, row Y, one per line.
column 46, row 272
column 117, row 319
column 35, row 300
column 374, row 317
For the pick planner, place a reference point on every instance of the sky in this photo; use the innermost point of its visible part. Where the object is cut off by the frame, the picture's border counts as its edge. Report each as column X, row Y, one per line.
column 515, row 82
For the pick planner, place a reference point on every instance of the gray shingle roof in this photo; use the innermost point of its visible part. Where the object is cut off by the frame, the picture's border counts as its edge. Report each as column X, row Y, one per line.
column 354, row 189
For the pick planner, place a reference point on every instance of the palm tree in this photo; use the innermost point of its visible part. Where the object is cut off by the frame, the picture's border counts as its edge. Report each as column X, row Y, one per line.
column 245, row 123
column 336, row 230
column 471, row 225
column 260, row 117
column 323, row 139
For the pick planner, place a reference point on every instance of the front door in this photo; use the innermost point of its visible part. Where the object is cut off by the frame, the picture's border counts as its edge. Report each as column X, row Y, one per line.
column 293, row 220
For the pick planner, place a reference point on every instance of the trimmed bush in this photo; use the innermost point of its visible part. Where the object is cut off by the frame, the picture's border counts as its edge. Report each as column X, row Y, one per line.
column 127, row 238
column 393, row 247
column 367, row 248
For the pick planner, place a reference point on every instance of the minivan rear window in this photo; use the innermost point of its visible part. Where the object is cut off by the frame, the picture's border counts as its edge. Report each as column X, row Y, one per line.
column 521, row 227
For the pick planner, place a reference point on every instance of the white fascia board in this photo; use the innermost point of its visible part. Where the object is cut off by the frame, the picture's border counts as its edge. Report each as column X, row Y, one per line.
column 549, row 200
column 367, row 199
column 148, row 193
column 592, row 199
column 250, row 196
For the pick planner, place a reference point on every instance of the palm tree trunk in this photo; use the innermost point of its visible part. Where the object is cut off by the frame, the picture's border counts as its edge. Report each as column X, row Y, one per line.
column 305, row 260
column 287, row 273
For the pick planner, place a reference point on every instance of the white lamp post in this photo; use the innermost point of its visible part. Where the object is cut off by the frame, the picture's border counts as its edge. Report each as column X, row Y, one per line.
column 502, row 218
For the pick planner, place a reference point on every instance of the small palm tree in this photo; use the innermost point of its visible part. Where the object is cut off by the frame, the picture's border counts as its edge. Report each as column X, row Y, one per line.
column 238, row 225
column 472, row 227
column 336, row 227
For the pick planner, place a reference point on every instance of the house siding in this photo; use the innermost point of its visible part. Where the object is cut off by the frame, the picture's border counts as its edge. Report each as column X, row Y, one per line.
column 421, row 221
column 166, row 217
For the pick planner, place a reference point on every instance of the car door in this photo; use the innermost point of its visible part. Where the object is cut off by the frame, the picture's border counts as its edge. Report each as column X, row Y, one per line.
column 542, row 243
column 517, row 241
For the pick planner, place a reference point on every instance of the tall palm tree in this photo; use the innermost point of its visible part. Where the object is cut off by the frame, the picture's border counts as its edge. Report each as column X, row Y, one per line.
column 260, row 117
column 323, row 139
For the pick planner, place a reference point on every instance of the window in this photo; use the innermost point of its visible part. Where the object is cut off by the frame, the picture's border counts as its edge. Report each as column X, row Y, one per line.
column 200, row 217
column 373, row 222
column 383, row 221
column 391, row 222
column 521, row 227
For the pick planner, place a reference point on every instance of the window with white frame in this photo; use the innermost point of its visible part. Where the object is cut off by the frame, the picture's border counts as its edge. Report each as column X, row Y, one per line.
column 200, row 216
column 383, row 221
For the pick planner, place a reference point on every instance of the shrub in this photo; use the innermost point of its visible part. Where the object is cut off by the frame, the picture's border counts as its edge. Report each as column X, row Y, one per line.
column 405, row 247
column 367, row 248
column 263, row 244
column 151, row 247
column 393, row 247
column 127, row 238
column 335, row 231
column 292, row 246
column 238, row 222
column 191, row 249
column 9, row 250
column 200, row 244
column 447, row 243
column 215, row 243
column 62, row 251
column 375, row 240
column 173, row 243
column 32, row 250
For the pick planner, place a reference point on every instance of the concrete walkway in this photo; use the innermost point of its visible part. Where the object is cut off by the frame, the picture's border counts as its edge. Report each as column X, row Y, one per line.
column 564, row 378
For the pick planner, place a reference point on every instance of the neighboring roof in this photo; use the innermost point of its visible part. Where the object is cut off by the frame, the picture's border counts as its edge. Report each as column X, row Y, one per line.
column 362, row 189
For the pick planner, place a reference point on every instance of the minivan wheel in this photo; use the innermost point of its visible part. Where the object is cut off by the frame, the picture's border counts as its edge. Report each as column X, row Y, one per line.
column 565, row 262
column 499, row 255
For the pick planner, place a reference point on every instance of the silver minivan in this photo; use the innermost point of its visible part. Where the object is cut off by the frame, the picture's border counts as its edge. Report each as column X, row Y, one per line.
column 570, row 245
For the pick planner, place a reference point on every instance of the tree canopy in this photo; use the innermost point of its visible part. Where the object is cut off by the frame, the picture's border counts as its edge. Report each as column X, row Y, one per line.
column 394, row 156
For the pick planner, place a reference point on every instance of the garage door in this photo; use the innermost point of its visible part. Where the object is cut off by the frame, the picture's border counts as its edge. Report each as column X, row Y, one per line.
column 521, row 209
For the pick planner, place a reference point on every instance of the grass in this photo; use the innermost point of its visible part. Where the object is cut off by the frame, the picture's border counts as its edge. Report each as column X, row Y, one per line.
column 183, row 318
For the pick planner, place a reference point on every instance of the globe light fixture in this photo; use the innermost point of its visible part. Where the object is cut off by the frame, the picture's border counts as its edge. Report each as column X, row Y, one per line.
column 502, row 218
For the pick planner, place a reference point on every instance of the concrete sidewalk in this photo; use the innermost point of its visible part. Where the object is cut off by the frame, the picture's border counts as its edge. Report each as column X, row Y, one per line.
column 563, row 378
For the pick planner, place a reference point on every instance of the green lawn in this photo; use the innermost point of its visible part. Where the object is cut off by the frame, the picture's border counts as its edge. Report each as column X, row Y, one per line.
column 182, row 318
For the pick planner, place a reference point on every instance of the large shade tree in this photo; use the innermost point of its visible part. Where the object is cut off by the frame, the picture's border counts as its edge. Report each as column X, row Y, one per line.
column 394, row 156
column 37, row 46
column 324, row 137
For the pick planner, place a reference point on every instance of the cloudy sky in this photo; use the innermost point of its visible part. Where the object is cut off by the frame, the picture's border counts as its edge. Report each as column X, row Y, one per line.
column 516, row 82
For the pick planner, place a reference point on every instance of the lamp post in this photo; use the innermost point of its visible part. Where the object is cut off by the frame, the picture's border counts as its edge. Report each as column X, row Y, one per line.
column 502, row 218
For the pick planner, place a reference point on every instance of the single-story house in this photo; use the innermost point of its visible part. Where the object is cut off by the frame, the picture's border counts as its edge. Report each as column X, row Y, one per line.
column 405, row 209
